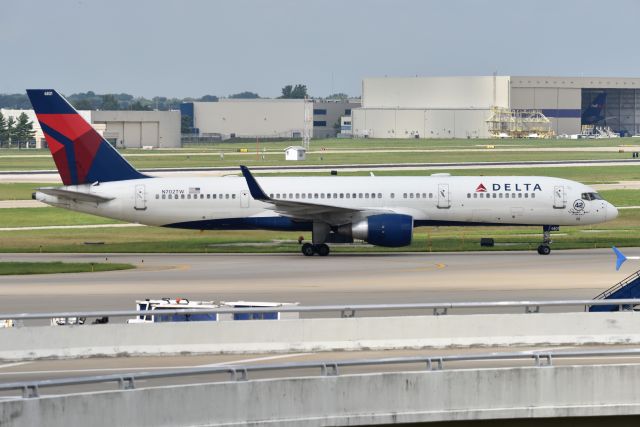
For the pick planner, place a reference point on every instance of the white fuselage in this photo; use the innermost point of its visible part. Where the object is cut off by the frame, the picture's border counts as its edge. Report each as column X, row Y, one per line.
column 226, row 202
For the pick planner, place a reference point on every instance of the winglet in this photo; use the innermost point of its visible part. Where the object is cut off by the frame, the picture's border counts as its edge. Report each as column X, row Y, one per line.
column 255, row 189
column 620, row 257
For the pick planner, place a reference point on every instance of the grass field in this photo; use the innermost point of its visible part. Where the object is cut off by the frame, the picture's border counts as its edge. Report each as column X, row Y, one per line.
column 273, row 153
column 15, row 268
column 624, row 231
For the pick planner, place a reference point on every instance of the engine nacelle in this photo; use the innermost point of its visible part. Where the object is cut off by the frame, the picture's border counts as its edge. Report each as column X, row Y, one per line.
column 390, row 230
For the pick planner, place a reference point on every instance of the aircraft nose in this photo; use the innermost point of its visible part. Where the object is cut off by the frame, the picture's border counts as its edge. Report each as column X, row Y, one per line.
column 611, row 212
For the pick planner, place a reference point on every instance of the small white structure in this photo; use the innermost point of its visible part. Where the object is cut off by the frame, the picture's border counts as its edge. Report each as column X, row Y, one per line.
column 295, row 152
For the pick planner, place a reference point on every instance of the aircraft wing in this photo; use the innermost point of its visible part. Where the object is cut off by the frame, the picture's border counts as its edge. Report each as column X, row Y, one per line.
column 74, row 195
column 296, row 209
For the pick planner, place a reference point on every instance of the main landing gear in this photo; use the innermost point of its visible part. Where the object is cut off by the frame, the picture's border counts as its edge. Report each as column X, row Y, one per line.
column 545, row 248
column 320, row 232
column 309, row 250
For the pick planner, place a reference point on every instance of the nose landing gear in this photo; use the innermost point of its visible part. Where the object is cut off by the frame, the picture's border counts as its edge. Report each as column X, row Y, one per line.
column 545, row 247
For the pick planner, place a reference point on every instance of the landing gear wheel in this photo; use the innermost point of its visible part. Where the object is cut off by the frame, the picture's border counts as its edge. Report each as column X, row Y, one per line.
column 322, row 249
column 308, row 249
column 544, row 250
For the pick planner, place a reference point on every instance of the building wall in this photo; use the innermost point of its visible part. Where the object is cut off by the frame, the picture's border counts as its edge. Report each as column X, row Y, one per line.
column 137, row 129
column 329, row 113
column 420, row 123
column 435, row 92
column 250, row 118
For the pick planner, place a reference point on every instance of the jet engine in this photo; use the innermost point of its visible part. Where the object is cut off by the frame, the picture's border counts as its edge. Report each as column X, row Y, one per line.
column 390, row 230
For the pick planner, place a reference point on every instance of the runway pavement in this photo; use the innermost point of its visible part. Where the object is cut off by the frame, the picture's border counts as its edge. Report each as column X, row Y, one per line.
column 337, row 279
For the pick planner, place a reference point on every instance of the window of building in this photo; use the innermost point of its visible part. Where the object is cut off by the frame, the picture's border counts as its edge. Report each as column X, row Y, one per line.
column 319, row 123
column 319, row 111
column 347, row 112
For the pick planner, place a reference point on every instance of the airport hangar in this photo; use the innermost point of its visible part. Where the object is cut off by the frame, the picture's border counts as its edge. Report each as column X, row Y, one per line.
column 459, row 107
column 123, row 129
column 267, row 118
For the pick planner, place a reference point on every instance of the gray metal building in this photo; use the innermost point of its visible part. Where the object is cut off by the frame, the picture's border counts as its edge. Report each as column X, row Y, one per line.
column 458, row 107
column 267, row 118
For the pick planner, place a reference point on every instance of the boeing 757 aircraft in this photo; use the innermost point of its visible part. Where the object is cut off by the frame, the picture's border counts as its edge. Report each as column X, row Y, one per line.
column 380, row 210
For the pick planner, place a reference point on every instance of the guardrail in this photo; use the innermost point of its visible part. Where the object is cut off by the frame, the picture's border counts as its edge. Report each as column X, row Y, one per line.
column 31, row 389
column 344, row 310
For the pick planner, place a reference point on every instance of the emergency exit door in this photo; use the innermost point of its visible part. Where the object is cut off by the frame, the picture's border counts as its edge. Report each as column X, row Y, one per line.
column 559, row 197
column 443, row 196
column 244, row 199
column 140, row 198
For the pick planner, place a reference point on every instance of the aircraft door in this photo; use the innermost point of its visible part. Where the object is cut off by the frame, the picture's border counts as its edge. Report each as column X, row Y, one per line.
column 443, row 196
column 140, row 203
column 244, row 199
column 559, row 197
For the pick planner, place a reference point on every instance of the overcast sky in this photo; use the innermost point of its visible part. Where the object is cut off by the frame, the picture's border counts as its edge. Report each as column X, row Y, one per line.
column 195, row 47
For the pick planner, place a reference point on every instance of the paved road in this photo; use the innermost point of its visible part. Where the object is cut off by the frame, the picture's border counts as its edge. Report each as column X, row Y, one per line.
column 337, row 279
column 58, row 369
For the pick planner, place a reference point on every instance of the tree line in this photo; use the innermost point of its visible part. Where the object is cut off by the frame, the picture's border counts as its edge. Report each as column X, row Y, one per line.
column 16, row 133
column 124, row 101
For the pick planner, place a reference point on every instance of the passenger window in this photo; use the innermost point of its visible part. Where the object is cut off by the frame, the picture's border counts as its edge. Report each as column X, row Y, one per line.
column 342, row 195
column 309, row 196
column 360, row 195
column 188, row 196
column 182, row 196
column 322, row 195
column 271, row 195
column 533, row 195
column 411, row 195
column 494, row 195
column 393, row 195
column 348, row 195
column 297, row 195
column 519, row 195
column 157, row 196
column 379, row 195
column 366, row 195
column 208, row 196
column 424, row 195
column 303, row 195
column 328, row 195
column 526, row 195
column 404, row 195
column 513, row 195
column 335, row 195
column 431, row 195
column 475, row 195
column 506, row 195
column 213, row 196
column 354, row 195
column 291, row 195
column 226, row 196
column 500, row 195
column 315, row 196
column 417, row 195
column 202, row 196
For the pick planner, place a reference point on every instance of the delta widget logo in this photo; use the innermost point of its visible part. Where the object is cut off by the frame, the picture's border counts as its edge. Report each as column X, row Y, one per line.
column 481, row 188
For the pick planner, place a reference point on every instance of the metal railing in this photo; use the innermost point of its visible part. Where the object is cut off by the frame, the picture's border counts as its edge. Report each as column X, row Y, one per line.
column 127, row 381
column 441, row 308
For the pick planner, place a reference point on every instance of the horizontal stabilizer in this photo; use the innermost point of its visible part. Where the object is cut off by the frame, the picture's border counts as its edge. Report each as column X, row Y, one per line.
column 74, row 195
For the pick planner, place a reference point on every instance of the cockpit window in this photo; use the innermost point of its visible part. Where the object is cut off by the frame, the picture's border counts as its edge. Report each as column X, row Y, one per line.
column 591, row 196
